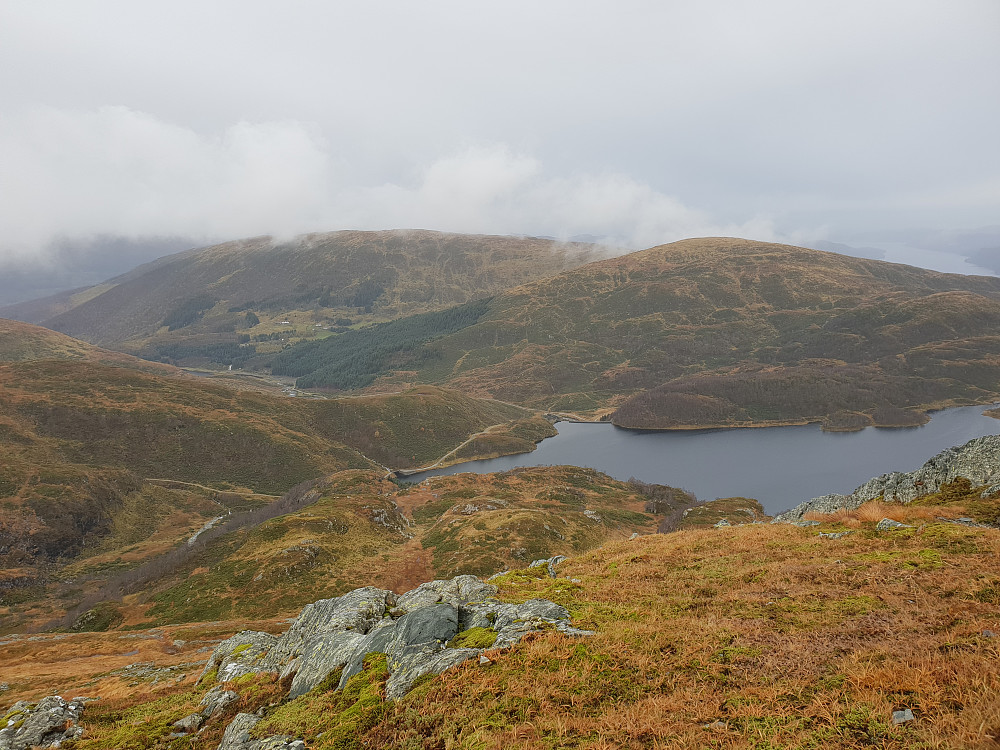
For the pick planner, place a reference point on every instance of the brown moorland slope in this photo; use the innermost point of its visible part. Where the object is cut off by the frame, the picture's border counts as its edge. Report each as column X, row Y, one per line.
column 107, row 460
column 755, row 636
column 713, row 331
column 201, row 304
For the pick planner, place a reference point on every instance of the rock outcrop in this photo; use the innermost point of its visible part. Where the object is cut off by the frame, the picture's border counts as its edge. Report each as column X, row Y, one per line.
column 419, row 632
column 978, row 461
column 48, row 723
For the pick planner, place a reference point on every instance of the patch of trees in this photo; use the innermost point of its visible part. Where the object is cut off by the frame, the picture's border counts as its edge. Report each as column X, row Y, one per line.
column 232, row 353
column 188, row 311
column 355, row 358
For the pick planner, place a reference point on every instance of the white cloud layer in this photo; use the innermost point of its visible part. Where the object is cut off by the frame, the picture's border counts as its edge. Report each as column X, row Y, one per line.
column 640, row 120
column 116, row 171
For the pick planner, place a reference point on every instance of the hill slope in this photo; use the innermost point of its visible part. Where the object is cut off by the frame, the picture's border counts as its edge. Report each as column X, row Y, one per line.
column 702, row 332
column 203, row 303
column 755, row 636
column 100, row 459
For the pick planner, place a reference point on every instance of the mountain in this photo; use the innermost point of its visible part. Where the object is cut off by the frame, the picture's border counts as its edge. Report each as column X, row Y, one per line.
column 704, row 332
column 203, row 304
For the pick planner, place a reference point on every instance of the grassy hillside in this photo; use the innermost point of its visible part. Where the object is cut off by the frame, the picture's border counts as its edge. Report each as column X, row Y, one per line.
column 360, row 529
column 754, row 636
column 121, row 464
column 708, row 332
column 229, row 302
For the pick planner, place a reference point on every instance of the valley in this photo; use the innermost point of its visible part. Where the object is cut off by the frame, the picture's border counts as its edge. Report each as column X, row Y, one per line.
column 148, row 514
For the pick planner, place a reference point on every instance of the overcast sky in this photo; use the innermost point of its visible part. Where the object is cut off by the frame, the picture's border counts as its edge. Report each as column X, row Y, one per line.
column 642, row 121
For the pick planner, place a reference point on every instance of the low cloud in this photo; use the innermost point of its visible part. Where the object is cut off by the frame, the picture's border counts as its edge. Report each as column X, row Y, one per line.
column 115, row 171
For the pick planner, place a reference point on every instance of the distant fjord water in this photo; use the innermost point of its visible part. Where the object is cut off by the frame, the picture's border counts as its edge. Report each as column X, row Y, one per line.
column 779, row 466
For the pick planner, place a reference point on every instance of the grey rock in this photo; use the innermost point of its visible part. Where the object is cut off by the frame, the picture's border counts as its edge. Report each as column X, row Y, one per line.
column 189, row 724
column 434, row 626
column 805, row 524
column 358, row 611
column 239, row 655
column 887, row 524
column 550, row 563
column 321, row 655
column 48, row 723
column 721, row 524
column 834, row 534
column 416, row 663
column 978, row 461
column 377, row 641
column 989, row 634
column 237, row 734
column 237, row 737
column 635, row 535
column 903, row 716
column 458, row 591
column 216, row 700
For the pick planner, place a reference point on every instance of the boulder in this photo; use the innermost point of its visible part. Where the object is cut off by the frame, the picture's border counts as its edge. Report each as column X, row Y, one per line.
column 887, row 524
column 216, row 700
column 189, row 724
column 459, row 591
column 239, row 655
column 357, row 611
column 48, row 723
column 237, row 737
column 321, row 655
column 237, row 734
column 417, row 662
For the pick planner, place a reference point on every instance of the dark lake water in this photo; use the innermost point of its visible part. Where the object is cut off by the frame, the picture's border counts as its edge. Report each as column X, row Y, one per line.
column 779, row 466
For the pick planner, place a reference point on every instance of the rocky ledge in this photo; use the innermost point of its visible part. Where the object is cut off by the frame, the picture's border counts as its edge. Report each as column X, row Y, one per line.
column 978, row 461
column 434, row 627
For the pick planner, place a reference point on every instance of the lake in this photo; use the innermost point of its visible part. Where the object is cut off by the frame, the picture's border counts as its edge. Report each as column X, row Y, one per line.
column 779, row 466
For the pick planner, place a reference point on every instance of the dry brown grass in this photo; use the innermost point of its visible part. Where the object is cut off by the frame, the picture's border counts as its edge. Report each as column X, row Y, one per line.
column 785, row 639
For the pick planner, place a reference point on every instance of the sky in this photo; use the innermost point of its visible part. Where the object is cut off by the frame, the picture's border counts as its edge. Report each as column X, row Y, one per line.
column 639, row 122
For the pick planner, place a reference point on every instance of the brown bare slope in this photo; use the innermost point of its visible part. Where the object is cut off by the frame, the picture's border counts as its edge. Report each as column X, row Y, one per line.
column 721, row 331
column 200, row 299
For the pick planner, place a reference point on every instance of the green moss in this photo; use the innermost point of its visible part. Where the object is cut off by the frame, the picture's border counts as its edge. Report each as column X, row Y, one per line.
column 474, row 638
column 341, row 717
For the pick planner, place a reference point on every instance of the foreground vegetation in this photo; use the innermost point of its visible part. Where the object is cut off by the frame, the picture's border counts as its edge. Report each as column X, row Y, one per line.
column 753, row 636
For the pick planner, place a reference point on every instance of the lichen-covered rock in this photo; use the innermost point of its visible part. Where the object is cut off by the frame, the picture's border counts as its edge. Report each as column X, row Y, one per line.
column 459, row 591
column 48, row 723
column 237, row 734
column 237, row 737
column 550, row 563
column 412, row 630
column 978, row 461
column 239, row 655
column 416, row 662
column 189, row 724
column 358, row 611
column 321, row 655
column 216, row 700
